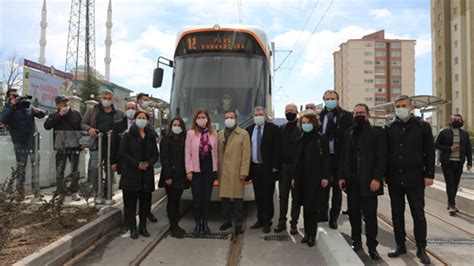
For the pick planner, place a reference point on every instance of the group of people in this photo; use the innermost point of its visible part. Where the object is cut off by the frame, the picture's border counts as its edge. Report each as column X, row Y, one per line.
column 313, row 156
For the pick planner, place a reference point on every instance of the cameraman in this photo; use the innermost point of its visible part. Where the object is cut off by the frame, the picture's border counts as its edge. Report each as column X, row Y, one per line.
column 19, row 117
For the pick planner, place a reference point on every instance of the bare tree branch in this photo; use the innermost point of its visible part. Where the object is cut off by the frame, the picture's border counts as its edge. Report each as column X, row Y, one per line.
column 12, row 71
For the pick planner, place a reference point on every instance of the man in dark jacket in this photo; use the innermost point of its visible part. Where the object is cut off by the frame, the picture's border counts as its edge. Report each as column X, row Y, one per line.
column 289, row 133
column 19, row 117
column 334, row 123
column 410, row 168
column 100, row 119
column 361, row 172
column 455, row 147
column 66, row 123
column 119, row 128
column 265, row 143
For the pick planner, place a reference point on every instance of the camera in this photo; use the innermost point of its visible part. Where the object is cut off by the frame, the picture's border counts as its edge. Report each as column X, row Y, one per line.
column 24, row 101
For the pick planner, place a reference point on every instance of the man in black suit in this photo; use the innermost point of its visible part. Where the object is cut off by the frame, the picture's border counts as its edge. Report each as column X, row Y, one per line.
column 334, row 123
column 361, row 172
column 120, row 126
column 265, row 140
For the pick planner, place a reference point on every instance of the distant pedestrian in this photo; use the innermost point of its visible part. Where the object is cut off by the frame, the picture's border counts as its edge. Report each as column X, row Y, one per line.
column 455, row 147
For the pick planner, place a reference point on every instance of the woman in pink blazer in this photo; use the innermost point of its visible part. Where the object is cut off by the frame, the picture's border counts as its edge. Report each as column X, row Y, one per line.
column 201, row 167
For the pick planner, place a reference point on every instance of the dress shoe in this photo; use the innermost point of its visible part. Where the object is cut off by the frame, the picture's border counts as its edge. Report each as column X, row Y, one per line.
column 356, row 245
column 257, row 225
column 311, row 241
column 175, row 232
column 181, row 229
column 133, row 234
column 152, row 218
column 225, row 226
column 421, row 253
column 305, row 239
column 401, row 249
column 280, row 228
column 142, row 231
column 267, row 229
column 374, row 255
column 333, row 224
column 205, row 228
column 293, row 229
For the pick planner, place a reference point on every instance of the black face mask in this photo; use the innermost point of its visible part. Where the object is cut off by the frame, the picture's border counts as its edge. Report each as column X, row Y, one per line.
column 290, row 116
column 457, row 124
column 359, row 120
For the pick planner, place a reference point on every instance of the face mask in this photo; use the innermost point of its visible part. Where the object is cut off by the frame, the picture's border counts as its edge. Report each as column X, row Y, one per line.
column 259, row 120
column 145, row 104
column 176, row 130
column 106, row 103
column 130, row 113
column 457, row 124
column 141, row 123
column 330, row 104
column 201, row 122
column 359, row 120
column 66, row 109
column 402, row 113
column 290, row 116
column 229, row 123
column 307, row 127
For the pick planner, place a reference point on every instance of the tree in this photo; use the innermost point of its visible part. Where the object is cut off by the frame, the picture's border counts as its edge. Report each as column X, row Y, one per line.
column 90, row 86
column 12, row 72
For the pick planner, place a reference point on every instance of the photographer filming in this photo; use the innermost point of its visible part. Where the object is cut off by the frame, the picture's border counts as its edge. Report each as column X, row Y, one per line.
column 19, row 117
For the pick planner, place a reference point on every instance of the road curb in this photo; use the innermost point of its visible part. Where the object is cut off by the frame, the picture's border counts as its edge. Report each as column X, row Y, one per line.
column 335, row 249
column 464, row 201
column 65, row 248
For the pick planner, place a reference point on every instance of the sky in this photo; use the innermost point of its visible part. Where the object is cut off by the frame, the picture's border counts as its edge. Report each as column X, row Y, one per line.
column 145, row 29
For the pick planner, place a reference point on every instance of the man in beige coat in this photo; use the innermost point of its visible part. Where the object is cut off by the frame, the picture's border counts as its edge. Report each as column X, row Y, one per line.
column 234, row 163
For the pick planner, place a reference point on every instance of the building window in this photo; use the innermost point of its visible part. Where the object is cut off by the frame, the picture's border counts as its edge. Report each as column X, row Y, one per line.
column 395, row 54
column 440, row 63
column 368, row 54
column 369, row 44
column 455, row 11
column 379, row 45
column 369, row 80
column 395, row 81
column 440, row 80
column 456, row 44
column 439, row 33
column 396, row 90
column 379, row 54
column 380, row 71
column 368, row 99
column 379, row 81
column 379, row 63
column 457, row 94
column 395, row 63
column 439, row 48
column 368, row 71
column 457, row 110
column 456, row 77
column 456, row 60
column 396, row 45
column 380, row 90
column 369, row 89
column 369, row 63
column 455, row 27
column 439, row 17
column 395, row 71
column 380, row 99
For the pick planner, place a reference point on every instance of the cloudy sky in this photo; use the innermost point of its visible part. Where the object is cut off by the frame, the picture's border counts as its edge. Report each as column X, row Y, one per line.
column 145, row 29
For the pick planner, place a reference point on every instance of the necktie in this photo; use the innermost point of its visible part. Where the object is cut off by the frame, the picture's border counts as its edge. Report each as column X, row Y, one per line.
column 259, row 144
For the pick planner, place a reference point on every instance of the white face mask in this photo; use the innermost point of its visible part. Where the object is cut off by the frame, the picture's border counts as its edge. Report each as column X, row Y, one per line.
column 201, row 122
column 402, row 113
column 145, row 104
column 66, row 109
column 106, row 103
column 141, row 123
column 176, row 129
column 130, row 113
column 259, row 120
column 229, row 123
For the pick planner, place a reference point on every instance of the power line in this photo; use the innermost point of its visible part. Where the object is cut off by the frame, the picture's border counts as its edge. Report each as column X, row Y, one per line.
column 306, row 44
column 239, row 7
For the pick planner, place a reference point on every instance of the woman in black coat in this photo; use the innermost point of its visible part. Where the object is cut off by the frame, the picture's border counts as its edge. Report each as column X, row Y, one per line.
column 173, row 171
column 138, row 153
column 311, row 173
